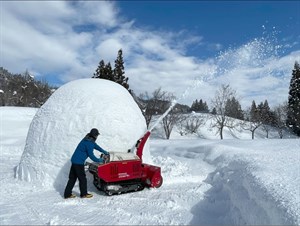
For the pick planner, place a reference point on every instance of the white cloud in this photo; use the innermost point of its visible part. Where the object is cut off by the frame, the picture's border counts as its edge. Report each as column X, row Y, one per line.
column 101, row 13
column 68, row 39
column 108, row 49
column 33, row 38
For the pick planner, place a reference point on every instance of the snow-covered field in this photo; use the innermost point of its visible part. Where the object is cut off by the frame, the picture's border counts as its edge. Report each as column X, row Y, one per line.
column 206, row 181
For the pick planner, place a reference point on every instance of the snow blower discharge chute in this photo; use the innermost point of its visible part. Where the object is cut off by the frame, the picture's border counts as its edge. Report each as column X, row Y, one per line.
column 125, row 172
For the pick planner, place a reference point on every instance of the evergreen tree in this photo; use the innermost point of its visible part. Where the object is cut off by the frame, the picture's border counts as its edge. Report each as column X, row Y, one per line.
column 263, row 112
column 233, row 109
column 199, row 106
column 293, row 117
column 119, row 72
column 205, row 107
column 253, row 112
column 194, row 106
column 267, row 117
column 108, row 72
column 105, row 71
column 254, row 119
column 214, row 111
column 100, row 70
column 119, row 68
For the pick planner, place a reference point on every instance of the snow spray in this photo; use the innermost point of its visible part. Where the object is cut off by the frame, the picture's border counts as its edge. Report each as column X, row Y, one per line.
column 163, row 115
column 174, row 102
column 256, row 54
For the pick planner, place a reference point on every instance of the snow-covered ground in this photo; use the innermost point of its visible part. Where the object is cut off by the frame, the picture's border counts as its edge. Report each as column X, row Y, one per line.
column 206, row 181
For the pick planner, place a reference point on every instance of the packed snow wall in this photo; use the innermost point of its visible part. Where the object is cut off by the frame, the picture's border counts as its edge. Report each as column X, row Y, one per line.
column 67, row 116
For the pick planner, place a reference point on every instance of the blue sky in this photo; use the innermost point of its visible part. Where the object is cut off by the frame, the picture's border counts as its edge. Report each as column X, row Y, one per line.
column 221, row 24
column 188, row 48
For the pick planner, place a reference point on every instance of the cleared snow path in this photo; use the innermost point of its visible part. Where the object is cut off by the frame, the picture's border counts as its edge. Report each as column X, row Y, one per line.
column 244, row 191
column 202, row 185
column 30, row 203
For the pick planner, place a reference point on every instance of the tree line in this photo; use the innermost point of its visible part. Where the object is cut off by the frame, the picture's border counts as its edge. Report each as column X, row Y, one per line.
column 23, row 90
column 225, row 106
column 225, row 112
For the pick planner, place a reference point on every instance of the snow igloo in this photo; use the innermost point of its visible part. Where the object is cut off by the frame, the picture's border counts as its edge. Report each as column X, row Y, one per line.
column 64, row 120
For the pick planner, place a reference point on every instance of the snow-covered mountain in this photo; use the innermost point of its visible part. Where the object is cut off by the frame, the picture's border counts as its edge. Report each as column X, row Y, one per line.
column 234, row 181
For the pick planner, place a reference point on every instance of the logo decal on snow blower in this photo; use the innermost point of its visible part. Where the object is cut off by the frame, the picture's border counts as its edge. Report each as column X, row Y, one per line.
column 121, row 175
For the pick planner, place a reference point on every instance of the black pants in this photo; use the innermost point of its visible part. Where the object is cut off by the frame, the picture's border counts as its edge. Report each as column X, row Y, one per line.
column 76, row 171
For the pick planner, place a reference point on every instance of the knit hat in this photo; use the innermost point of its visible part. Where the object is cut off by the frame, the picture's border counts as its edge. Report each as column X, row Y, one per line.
column 94, row 132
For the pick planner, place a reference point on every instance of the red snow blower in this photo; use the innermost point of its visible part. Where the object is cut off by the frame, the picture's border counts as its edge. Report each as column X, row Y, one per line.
column 125, row 172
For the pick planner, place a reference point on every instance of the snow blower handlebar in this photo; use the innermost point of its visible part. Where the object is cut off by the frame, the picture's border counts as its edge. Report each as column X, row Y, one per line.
column 141, row 143
column 106, row 158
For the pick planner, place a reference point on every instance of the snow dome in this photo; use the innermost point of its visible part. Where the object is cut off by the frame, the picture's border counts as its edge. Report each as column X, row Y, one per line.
column 67, row 116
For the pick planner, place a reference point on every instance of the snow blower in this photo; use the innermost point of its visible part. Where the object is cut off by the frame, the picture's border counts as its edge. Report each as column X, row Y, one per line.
column 125, row 172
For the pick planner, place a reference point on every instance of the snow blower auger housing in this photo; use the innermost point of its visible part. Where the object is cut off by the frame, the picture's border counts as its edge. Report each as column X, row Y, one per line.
column 125, row 172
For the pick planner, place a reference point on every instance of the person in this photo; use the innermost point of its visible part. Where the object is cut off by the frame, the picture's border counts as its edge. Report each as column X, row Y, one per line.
column 82, row 152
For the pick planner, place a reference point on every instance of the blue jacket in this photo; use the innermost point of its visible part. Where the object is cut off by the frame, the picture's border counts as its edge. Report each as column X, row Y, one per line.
column 85, row 149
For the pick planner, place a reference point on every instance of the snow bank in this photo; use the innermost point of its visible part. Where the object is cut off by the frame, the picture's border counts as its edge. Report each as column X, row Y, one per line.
column 68, row 115
column 253, row 184
column 237, row 199
column 15, row 123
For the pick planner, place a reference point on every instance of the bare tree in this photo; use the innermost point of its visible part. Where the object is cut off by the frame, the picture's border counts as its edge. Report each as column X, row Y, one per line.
column 220, row 120
column 253, row 122
column 190, row 124
column 170, row 119
column 267, row 129
column 251, row 126
column 281, row 117
column 153, row 105
column 181, row 123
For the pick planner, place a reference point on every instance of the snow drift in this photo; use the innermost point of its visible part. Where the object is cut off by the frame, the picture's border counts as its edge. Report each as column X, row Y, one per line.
column 67, row 117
